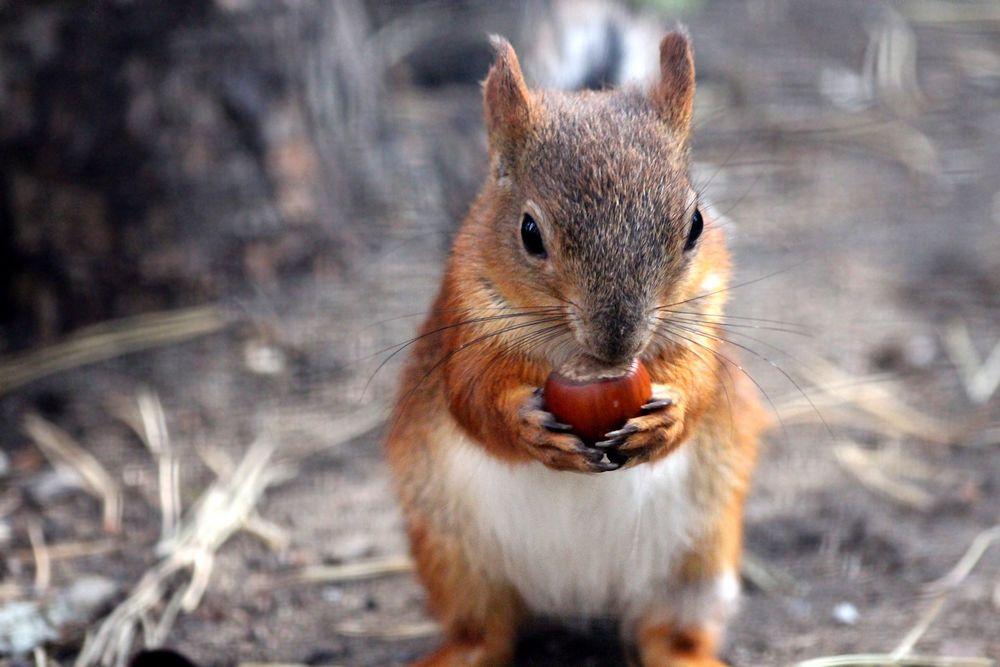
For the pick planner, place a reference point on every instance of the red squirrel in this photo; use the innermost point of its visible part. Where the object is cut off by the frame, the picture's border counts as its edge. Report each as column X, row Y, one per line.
column 587, row 241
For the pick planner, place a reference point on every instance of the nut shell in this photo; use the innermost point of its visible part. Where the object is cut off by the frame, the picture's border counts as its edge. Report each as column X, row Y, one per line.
column 596, row 407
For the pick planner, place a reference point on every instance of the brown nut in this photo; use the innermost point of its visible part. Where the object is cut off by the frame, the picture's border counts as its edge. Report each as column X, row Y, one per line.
column 594, row 407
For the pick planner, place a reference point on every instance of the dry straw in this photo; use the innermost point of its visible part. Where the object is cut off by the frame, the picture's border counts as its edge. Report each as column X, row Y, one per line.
column 65, row 452
column 107, row 341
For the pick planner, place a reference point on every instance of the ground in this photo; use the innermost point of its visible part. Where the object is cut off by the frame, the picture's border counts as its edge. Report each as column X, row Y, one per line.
column 865, row 213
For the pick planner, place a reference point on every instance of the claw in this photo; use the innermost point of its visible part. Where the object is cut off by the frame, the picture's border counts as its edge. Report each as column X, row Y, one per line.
column 556, row 427
column 610, row 443
column 657, row 404
column 605, row 466
column 589, row 453
column 622, row 432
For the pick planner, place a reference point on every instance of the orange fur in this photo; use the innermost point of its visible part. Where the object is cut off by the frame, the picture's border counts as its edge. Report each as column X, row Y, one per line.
column 667, row 646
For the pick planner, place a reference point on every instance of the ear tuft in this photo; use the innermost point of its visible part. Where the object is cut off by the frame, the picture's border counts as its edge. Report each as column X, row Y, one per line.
column 673, row 94
column 506, row 99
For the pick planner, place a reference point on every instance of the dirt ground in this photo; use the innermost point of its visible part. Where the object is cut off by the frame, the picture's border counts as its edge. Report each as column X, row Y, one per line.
column 865, row 211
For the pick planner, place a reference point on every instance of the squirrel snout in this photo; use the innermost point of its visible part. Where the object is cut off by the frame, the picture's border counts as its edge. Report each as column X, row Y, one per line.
column 615, row 338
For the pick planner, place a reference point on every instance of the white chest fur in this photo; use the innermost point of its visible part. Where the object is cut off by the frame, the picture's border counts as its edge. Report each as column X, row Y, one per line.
column 578, row 545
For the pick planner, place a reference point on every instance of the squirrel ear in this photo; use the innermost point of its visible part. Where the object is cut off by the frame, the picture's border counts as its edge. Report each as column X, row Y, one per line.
column 506, row 99
column 673, row 94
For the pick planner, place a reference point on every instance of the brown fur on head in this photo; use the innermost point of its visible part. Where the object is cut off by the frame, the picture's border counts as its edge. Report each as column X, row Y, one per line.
column 604, row 175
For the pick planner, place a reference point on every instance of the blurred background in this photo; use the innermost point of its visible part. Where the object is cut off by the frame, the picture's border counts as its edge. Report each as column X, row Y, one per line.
column 220, row 220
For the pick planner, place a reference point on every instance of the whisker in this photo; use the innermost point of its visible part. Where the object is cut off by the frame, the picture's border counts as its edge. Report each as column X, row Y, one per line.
column 464, row 346
column 564, row 300
column 451, row 326
column 701, row 187
column 725, row 389
column 729, row 317
column 536, row 338
column 742, row 284
column 711, row 325
column 739, row 367
column 712, row 319
column 399, row 347
column 771, row 363
column 743, row 196
column 512, row 309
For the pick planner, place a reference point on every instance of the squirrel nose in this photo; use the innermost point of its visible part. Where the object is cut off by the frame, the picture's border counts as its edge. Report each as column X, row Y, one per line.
column 616, row 337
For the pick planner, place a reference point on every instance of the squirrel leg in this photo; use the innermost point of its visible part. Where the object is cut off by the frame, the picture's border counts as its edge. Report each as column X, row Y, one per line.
column 665, row 645
column 480, row 617
column 686, row 629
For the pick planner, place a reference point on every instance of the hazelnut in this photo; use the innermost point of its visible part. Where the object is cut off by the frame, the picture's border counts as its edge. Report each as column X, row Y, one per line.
column 595, row 404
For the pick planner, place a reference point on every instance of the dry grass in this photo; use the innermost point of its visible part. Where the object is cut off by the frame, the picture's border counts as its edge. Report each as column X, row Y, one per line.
column 145, row 417
column 770, row 580
column 70, row 550
column 842, row 400
column 354, row 571
column 107, row 341
column 866, row 466
column 390, row 633
column 187, row 545
column 845, row 400
column 43, row 563
column 884, row 660
column 181, row 576
column 866, row 401
column 189, row 542
column 63, row 451
column 980, row 375
column 943, row 587
column 939, row 591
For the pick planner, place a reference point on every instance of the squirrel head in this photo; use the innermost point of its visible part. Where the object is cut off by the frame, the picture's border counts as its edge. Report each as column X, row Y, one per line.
column 589, row 205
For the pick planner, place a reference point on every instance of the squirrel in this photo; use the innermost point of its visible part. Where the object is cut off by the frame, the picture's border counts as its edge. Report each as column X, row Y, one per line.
column 587, row 240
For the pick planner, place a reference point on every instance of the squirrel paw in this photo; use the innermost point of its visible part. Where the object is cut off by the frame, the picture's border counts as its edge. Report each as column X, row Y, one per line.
column 658, row 429
column 553, row 444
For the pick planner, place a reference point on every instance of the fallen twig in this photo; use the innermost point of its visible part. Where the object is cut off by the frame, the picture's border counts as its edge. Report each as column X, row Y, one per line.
column 222, row 510
column 964, row 566
column 861, row 466
column 765, row 578
column 357, row 570
column 885, row 660
column 69, row 550
column 147, row 420
column 380, row 631
column 980, row 376
column 941, row 588
column 43, row 563
column 841, row 396
column 62, row 450
column 108, row 340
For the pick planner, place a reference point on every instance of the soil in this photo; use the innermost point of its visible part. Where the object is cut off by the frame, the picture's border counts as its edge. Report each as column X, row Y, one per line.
column 870, row 220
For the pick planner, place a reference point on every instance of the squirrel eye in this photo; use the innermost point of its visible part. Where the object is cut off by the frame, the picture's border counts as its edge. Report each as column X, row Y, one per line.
column 531, row 237
column 696, row 226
